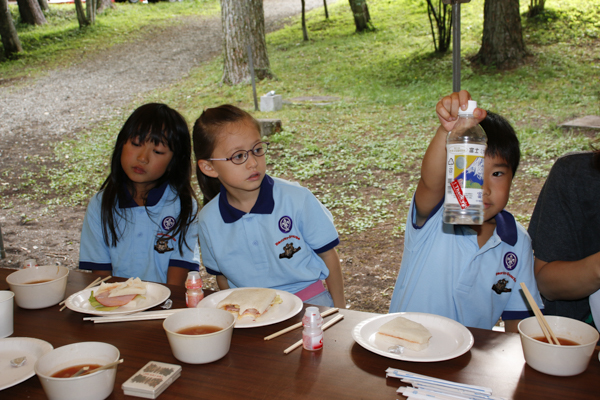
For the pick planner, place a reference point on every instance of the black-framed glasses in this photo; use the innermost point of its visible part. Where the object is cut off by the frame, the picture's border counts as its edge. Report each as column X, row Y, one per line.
column 241, row 156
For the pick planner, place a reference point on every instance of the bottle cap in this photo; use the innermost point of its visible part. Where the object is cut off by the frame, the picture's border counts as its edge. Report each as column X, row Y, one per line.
column 193, row 281
column 312, row 317
column 470, row 108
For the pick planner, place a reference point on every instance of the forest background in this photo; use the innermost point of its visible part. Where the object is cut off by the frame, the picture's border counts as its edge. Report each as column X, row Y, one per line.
column 359, row 153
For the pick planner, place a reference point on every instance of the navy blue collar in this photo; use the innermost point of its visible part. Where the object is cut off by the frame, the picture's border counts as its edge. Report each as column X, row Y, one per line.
column 265, row 204
column 506, row 226
column 154, row 197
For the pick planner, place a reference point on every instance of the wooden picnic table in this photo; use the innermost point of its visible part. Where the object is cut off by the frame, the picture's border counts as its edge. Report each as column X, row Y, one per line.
column 258, row 369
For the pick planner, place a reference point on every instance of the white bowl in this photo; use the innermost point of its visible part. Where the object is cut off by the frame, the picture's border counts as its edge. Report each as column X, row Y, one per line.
column 95, row 386
column 199, row 349
column 558, row 360
column 39, row 295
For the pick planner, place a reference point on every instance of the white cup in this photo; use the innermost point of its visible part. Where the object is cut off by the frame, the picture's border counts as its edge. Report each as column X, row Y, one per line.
column 6, row 313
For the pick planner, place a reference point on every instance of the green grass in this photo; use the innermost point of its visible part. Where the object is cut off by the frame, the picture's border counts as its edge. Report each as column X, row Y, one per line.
column 361, row 155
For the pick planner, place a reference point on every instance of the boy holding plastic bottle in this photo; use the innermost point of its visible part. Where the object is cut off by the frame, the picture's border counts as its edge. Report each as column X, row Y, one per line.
column 469, row 273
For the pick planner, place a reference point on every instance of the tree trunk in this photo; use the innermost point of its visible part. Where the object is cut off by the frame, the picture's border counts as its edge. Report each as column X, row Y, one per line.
column 325, row 6
column 362, row 18
column 502, row 43
column 8, row 33
column 243, row 26
column 90, row 10
column 535, row 7
column 304, row 31
column 103, row 5
column 440, row 20
column 30, row 12
column 81, row 18
column 44, row 5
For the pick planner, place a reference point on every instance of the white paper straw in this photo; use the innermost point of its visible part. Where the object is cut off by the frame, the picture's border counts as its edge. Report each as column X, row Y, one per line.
column 400, row 374
column 465, row 393
column 421, row 393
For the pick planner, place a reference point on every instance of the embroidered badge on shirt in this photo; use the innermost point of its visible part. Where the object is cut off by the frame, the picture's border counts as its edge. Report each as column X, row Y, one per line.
column 168, row 223
column 289, row 251
column 162, row 243
column 510, row 261
column 500, row 286
column 285, row 224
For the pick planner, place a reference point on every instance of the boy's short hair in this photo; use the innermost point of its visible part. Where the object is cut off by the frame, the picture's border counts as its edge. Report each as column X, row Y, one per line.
column 502, row 140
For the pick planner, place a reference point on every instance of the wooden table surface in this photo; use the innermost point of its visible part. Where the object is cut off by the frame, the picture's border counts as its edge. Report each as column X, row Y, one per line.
column 258, row 369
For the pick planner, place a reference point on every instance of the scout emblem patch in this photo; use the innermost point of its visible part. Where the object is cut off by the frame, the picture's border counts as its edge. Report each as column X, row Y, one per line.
column 500, row 286
column 162, row 243
column 510, row 261
column 289, row 250
column 285, row 224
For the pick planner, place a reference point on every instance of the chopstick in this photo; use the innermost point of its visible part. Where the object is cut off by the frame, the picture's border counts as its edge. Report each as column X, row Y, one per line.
column 327, row 325
column 140, row 316
column 299, row 324
column 540, row 317
column 106, row 366
column 81, row 371
column 97, row 281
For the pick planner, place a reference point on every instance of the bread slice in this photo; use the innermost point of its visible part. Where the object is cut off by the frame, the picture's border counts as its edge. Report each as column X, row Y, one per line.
column 251, row 302
column 129, row 287
column 406, row 333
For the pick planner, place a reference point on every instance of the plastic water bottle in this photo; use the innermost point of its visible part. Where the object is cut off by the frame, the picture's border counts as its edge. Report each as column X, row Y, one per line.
column 312, row 334
column 465, row 147
column 194, row 293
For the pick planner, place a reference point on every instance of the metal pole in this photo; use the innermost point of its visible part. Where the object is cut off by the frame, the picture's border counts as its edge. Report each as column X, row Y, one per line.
column 252, row 76
column 455, row 46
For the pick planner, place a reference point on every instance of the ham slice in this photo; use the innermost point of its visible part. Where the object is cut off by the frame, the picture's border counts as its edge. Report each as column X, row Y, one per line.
column 117, row 301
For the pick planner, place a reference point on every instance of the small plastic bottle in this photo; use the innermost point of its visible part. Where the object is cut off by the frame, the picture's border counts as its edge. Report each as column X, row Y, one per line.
column 465, row 149
column 194, row 292
column 312, row 335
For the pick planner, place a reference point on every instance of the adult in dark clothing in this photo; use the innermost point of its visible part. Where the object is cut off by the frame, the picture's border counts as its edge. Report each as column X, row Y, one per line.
column 565, row 233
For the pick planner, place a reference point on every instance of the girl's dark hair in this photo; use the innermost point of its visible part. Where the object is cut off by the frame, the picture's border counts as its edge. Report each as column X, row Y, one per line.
column 502, row 140
column 160, row 124
column 206, row 133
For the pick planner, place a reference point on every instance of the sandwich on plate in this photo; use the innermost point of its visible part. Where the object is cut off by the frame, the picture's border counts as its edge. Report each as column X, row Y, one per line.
column 110, row 296
column 250, row 302
column 406, row 333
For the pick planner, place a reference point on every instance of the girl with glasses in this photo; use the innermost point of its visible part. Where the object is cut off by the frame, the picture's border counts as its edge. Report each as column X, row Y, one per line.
column 256, row 230
column 142, row 223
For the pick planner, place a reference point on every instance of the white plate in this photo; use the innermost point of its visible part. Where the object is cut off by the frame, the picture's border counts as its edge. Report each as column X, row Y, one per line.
column 155, row 295
column 449, row 339
column 19, row 347
column 290, row 306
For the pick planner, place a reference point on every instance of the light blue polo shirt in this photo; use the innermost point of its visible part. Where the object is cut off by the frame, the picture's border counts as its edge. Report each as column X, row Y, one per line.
column 444, row 271
column 275, row 245
column 145, row 249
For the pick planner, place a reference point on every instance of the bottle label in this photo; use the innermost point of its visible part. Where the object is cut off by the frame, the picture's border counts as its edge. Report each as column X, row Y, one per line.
column 192, row 298
column 312, row 341
column 464, row 174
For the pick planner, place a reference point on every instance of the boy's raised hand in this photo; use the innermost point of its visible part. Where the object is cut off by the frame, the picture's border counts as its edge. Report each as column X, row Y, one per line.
column 447, row 109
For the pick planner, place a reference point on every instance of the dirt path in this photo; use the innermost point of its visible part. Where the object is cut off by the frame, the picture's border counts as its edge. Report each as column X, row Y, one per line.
column 60, row 104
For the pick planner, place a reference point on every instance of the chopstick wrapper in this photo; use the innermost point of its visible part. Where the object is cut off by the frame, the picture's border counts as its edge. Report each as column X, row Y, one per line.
column 151, row 380
column 426, row 387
